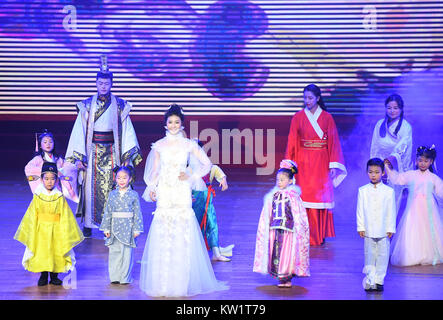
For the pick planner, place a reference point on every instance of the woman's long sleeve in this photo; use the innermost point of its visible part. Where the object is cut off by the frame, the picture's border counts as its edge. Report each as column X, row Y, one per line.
column 403, row 150
column 151, row 174
column 204, row 166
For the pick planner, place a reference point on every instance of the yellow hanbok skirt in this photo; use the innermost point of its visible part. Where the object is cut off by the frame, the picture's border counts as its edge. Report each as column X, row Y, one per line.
column 49, row 231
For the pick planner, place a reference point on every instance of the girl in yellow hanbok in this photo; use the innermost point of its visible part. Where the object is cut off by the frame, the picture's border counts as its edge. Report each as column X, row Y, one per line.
column 49, row 230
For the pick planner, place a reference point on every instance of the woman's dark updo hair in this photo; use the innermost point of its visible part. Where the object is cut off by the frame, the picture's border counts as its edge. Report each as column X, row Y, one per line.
column 174, row 109
column 397, row 98
column 429, row 153
column 316, row 92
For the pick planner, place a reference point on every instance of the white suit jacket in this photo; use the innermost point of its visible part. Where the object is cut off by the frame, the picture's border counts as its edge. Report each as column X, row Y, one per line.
column 376, row 210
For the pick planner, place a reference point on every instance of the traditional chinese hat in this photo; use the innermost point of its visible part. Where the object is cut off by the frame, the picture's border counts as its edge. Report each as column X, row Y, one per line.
column 49, row 167
column 104, row 68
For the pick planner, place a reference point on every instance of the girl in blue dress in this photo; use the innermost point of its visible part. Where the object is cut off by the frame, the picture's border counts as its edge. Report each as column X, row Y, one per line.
column 122, row 223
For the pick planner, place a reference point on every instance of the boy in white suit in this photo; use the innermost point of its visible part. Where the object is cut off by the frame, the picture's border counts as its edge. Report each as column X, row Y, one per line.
column 376, row 215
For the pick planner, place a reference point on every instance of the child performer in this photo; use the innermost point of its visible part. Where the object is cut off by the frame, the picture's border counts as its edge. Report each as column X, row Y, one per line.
column 282, row 244
column 122, row 223
column 420, row 232
column 205, row 211
column 45, row 151
column 49, row 230
column 376, row 213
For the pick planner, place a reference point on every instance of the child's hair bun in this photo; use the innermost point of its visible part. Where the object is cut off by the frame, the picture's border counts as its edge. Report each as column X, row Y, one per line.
column 128, row 169
column 428, row 152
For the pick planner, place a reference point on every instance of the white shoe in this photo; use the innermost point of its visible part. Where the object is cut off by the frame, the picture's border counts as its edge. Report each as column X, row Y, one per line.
column 216, row 255
column 227, row 251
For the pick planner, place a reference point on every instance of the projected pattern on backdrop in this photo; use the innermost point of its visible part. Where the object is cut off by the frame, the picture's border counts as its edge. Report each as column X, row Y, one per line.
column 217, row 57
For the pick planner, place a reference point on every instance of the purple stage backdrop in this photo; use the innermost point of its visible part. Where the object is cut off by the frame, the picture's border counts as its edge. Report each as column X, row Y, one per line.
column 238, row 67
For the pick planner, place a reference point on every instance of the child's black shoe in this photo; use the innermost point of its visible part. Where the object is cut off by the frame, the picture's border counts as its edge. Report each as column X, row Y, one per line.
column 379, row 287
column 87, row 232
column 55, row 280
column 43, row 280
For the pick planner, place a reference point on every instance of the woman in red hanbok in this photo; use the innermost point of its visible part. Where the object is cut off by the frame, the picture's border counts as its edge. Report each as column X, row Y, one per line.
column 314, row 144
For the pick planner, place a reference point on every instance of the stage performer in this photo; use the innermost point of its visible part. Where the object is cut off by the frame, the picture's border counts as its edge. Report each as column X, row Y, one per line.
column 282, row 241
column 419, row 239
column 203, row 206
column 49, row 230
column 122, row 223
column 376, row 212
column 392, row 139
column 314, row 144
column 45, row 152
column 102, row 137
column 175, row 261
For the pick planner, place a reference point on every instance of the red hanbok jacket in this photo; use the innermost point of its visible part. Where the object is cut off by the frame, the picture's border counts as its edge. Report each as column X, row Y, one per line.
column 314, row 144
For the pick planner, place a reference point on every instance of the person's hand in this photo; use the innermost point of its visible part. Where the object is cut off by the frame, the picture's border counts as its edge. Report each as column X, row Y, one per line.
column 153, row 196
column 390, row 234
column 80, row 165
column 107, row 234
column 183, row 176
column 392, row 162
column 223, row 184
column 136, row 234
column 388, row 164
column 361, row 234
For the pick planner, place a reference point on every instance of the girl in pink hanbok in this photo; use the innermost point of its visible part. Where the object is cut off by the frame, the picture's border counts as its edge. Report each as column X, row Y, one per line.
column 45, row 152
column 282, row 243
column 419, row 237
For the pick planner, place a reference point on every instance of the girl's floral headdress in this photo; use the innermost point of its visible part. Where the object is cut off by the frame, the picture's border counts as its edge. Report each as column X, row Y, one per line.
column 290, row 165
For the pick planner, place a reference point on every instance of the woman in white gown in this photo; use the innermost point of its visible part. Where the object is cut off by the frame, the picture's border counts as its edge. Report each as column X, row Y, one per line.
column 392, row 140
column 175, row 260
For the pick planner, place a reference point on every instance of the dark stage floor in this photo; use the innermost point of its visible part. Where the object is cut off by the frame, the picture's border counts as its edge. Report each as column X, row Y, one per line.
column 335, row 267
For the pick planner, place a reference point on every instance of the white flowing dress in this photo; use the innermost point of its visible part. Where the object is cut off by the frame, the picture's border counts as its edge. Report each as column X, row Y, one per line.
column 419, row 237
column 175, row 261
column 394, row 145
